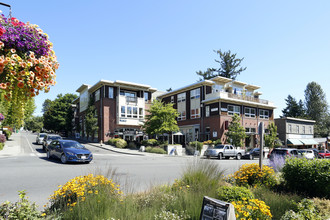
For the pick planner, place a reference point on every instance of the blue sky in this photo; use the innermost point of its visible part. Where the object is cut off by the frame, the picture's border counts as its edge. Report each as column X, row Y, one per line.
column 285, row 44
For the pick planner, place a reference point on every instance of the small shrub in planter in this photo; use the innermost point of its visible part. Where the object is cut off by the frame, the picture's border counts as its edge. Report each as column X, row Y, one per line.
column 120, row 143
column 197, row 144
column 132, row 145
column 218, row 141
column 1, row 146
column 208, row 142
column 2, row 138
column 155, row 150
column 113, row 141
column 234, row 193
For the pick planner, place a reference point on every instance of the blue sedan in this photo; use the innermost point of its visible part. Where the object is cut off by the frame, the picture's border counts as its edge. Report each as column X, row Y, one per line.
column 69, row 151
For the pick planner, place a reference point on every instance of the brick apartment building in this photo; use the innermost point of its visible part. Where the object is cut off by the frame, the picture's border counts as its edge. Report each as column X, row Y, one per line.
column 121, row 108
column 206, row 108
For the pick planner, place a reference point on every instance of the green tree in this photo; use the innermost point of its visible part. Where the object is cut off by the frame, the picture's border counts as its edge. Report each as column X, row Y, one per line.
column 229, row 66
column 317, row 108
column 59, row 114
column 161, row 118
column 271, row 139
column 34, row 123
column 91, row 121
column 293, row 108
column 236, row 132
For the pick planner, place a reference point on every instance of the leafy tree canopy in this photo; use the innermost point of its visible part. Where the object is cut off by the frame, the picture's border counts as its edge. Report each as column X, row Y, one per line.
column 161, row 118
column 236, row 132
column 271, row 139
column 91, row 121
column 229, row 66
column 59, row 114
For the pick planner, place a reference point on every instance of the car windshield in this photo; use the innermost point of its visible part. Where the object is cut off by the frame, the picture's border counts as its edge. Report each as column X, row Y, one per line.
column 322, row 151
column 54, row 137
column 281, row 152
column 41, row 135
column 72, row 144
column 219, row 147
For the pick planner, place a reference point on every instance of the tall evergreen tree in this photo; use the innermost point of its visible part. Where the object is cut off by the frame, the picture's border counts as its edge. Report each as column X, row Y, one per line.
column 317, row 108
column 293, row 108
column 229, row 66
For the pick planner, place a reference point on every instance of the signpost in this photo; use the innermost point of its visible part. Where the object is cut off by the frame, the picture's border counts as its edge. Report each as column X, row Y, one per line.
column 261, row 135
column 214, row 209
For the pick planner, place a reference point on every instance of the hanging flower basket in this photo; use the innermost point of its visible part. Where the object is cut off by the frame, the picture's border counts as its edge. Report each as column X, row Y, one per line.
column 27, row 60
column 2, row 117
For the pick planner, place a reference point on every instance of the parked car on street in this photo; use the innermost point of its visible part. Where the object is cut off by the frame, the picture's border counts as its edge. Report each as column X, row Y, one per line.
column 324, row 153
column 308, row 154
column 224, row 151
column 69, row 151
column 284, row 152
column 49, row 138
column 254, row 153
column 40, row 138
column 316, row 152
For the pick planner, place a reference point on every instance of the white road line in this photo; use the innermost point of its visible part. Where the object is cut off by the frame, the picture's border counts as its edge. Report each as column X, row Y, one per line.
column 29, row 144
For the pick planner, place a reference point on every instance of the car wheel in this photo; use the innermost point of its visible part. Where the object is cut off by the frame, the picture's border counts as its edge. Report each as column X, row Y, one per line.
column 251, row 157
column 48, row 154
column 63, row 158
column 220, row 156
column 238, row 156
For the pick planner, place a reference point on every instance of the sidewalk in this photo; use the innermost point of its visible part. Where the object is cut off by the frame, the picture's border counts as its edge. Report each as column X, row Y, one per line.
column 12, row 146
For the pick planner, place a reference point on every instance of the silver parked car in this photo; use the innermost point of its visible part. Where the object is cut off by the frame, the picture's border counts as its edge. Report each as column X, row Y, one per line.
column 49, row 138
column 40, row 138
column 308, row 154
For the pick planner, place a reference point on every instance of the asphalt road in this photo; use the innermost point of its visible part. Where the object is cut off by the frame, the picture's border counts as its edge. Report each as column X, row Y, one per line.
column 30, row 170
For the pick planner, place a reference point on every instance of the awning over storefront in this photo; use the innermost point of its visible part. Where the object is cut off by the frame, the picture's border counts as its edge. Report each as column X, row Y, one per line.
column 294, row 142
column 308, row 141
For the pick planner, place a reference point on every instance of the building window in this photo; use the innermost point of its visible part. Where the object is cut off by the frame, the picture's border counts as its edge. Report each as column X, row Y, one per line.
column 232, row 109
column 304, row 130
column 264, row 114
column 146, row 96
column 194, row 94
column 111, row 92
column 290, row 129
column 182, row 116
column 310, row 130
column 207, row 111
column 123, row 111
column 250, row 112
column 141, row 113
column 182, row 97
column 172, row 99
column 250, row 130
column 135, row 112
column 297, row 127
column 129, row 112
column 97, row 95
column 194, row 113
column 217, row 88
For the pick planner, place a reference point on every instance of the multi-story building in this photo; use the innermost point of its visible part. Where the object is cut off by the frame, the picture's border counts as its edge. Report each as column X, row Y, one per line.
column 296, row 132
column 120, row 106
column 206, row 108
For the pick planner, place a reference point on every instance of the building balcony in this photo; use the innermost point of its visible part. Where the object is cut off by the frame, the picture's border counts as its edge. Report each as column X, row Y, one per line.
column 236, row 97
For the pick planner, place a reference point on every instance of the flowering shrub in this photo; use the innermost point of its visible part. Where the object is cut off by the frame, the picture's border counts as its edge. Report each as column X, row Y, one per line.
column 164, row 215
column 2, row 138
column 79, row 188
column 251, row 209
column 305, row 210
column 208, row 142
column 21, row 209
column 277, row 162
column 27, row 62
column 250, row 174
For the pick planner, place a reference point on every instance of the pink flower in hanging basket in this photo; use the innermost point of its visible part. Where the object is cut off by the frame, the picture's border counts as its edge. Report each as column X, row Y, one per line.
column 2, row 117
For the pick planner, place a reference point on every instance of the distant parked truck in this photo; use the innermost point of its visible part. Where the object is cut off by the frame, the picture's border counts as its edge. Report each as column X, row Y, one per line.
column 224, row 151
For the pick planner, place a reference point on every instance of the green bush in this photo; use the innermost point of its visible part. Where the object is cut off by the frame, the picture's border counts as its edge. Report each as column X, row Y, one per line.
column 323, row 206
column 197, row 144
column 7, row 133
column 234, row 193
column 132, row 145
column 218, row 141
column 22, row 209
column 113, row 141
column 155, row 150
column 2, row 145
column 120, row 143
column 305, row 210
column 310, row 177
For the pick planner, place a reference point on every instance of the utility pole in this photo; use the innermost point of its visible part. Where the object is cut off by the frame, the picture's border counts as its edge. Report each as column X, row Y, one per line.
column 261, row 135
